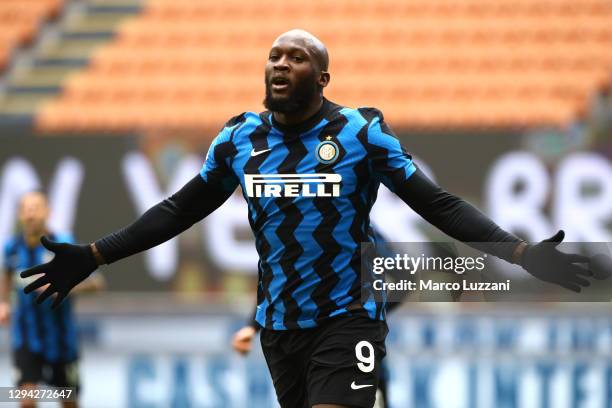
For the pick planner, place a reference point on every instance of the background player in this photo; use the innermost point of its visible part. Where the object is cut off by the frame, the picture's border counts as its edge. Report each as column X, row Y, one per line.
column 44, row 340
column 323, row 343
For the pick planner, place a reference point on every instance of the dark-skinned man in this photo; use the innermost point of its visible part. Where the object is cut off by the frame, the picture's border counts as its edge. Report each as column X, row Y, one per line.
column 309, row 170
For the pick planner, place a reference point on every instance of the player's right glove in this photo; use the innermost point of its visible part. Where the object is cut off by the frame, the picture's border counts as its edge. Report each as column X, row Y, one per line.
column 546, row 262
column 71, row 265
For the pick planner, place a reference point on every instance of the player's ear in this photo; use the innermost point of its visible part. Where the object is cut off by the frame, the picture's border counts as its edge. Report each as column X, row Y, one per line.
column 324, row 79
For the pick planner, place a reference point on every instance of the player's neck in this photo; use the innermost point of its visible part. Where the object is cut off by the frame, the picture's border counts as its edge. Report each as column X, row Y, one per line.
column 294, row 118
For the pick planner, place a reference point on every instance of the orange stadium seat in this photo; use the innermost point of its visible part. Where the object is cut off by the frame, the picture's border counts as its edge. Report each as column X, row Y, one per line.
column 19, row 20
column 181, row 64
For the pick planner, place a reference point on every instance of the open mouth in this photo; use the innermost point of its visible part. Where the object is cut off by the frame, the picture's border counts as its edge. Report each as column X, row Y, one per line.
column 279, row 83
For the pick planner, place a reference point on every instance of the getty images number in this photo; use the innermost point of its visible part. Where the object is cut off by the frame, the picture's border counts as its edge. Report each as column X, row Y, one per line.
column 366, row 363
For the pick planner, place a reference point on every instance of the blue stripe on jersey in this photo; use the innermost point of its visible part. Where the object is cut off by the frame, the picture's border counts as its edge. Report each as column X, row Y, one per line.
column 304, row 265
column 252, row 122
column 275, row 218
column 354, row 152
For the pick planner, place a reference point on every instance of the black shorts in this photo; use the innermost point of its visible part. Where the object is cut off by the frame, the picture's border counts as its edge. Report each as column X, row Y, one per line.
column 34, row 369
column 337, row 362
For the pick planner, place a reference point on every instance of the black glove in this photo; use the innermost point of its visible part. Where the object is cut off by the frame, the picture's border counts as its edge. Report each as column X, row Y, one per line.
column 546, row 262
column 71, row 265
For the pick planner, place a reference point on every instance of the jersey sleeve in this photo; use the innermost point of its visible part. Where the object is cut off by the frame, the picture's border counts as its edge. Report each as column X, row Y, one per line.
column 217, row 168
column 390, row 161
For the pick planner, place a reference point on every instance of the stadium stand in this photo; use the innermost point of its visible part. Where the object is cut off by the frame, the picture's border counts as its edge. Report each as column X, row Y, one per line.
column 449, row 63
column 19, row 21
column 19, row 25
column 56, row 39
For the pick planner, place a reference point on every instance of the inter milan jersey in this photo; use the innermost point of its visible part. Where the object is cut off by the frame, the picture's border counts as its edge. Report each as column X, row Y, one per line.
column 309, row 190
column 38, row 328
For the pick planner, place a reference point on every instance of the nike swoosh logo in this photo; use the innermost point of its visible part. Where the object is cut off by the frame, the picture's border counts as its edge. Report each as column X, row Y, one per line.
column 254, row 153
column 356, row 387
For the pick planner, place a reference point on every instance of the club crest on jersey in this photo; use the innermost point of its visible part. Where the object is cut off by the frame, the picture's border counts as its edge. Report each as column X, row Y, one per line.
column 293, row 185
column 327, row 151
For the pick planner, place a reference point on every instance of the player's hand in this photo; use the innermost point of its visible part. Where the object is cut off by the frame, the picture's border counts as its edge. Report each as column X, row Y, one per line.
column 71, row 265
column 5, row 313
column 243, row 340
column 546, row 262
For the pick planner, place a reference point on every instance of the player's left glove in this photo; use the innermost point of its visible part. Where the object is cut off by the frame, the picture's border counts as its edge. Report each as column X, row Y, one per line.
column 71, row 265
column 546, row 262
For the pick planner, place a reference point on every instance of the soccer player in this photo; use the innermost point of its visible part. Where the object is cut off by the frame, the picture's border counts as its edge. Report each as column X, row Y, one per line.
column 44, row 340
column 309, row 170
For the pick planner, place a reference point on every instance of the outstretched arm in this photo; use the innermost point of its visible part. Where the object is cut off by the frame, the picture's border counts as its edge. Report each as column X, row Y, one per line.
column 456, row 217
column 198, row 198
column 163, row 221
column 74, row 263
column 452, row 215
column 460, row 220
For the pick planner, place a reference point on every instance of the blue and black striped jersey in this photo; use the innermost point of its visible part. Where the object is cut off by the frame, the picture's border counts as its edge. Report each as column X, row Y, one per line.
column 38, row 328
column 309, row 190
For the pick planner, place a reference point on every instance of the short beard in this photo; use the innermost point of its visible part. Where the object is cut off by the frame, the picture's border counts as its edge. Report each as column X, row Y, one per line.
column 297, row 100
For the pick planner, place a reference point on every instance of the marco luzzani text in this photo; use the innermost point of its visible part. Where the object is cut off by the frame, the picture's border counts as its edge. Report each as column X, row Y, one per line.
column 409, row 264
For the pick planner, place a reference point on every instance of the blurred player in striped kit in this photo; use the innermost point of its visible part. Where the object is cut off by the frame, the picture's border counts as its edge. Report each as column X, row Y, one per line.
column 43, row 340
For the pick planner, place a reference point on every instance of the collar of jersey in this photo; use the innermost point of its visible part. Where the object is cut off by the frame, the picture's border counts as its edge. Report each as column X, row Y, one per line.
column 307, row 124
